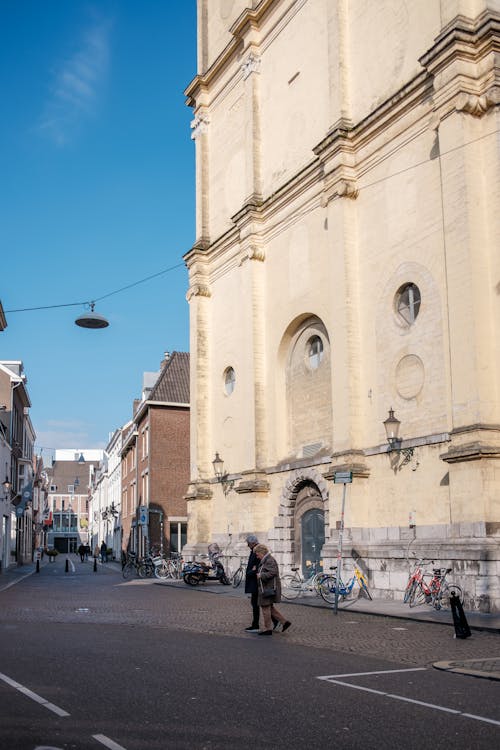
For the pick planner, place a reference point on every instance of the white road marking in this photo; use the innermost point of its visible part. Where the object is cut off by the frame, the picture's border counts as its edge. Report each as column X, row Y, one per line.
column 107, row 742
column 403, row 698
column 30, row 694
column 13, row 583
column 383, row 671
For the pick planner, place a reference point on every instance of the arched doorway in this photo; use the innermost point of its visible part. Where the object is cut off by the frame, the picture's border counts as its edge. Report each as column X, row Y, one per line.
column 312, row 535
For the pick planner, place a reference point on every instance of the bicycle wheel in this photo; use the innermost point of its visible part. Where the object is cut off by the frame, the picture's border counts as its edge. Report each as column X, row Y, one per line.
column 442, row 599
column 145, row 570
column 327, row 588
column 417, row 596
column 290, row 587
column 128, row 570
column 238, row 577
column 161, row 570
column 410, row 586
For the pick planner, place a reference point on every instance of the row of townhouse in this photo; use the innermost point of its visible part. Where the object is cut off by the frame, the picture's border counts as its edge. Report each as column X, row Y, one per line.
column 24, row 482
column 137, row 491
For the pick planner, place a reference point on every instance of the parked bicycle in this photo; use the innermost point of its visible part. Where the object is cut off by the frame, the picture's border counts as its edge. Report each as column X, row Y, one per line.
column 293, row 585
column 435, row 591
column 329, row 585
column 132, row 565
column 238, row 574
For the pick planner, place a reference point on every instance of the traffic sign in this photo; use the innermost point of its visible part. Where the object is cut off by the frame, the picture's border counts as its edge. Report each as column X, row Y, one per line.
column 342, row 477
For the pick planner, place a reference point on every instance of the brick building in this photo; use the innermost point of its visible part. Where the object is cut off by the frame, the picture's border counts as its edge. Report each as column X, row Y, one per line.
column 155, row 462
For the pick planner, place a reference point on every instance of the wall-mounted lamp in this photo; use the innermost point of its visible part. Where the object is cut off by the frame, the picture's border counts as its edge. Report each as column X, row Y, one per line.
column 110, row 511
column 392, row 425
column 221, row 476
column 6, row 487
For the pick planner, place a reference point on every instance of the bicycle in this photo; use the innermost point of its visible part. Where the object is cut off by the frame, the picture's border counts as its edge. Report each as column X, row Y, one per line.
column 294, row 584
column 437, row 592
column 131, row 567
column 329, row 586
column 172, row 566
column 238, row 574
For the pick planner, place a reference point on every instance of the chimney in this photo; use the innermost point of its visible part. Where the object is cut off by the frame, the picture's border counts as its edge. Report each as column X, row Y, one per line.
column 165, row 360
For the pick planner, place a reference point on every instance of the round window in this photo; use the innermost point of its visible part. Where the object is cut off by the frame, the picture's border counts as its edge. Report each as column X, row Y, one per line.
column 314, row 352
column 408, row 302
column 229, row 380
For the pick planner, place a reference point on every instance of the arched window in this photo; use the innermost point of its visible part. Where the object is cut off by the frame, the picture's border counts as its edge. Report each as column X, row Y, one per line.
column 314, row 352
column 229, row 381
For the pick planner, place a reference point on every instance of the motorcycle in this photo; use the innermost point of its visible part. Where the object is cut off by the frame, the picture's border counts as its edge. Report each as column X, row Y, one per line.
column 196, row 572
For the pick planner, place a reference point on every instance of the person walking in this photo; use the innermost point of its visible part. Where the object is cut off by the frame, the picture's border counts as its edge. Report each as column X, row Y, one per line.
column 104, row 552
column 251, row 585
column 81, row 552
column 269, row 589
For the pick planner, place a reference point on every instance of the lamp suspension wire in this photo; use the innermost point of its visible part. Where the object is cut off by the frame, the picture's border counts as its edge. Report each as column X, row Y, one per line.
column 90, row 303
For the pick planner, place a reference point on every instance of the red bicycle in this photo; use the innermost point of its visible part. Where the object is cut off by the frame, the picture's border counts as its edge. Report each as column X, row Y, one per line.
column 436, row 591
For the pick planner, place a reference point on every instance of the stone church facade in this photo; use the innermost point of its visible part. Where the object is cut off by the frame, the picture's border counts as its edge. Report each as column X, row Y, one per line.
column 347, row 263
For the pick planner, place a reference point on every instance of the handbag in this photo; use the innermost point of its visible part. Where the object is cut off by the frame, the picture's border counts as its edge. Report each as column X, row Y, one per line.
column 269, row 589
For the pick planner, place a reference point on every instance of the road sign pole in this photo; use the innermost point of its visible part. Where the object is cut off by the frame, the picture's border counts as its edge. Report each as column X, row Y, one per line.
column 339, row 553
column 345, row 478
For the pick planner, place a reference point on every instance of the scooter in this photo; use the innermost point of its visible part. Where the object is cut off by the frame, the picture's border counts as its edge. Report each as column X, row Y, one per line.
column 198, row 572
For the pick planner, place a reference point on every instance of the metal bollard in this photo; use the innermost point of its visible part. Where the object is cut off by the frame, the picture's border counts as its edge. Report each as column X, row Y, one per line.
column 462, row 629
column 95, row 564
column 38, row 566
column 67, row 565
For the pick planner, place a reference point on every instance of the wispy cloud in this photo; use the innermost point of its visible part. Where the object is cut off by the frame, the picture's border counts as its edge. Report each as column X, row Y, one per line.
column 76, row 85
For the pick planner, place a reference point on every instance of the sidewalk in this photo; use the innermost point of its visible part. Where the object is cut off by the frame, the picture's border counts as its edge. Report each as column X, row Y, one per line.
column 382, row 607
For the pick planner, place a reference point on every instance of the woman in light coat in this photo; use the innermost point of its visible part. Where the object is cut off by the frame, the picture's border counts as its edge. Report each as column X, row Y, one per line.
column 268, row 576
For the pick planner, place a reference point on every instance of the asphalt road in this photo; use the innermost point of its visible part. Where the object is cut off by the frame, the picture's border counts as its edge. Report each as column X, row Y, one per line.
column 136, row 666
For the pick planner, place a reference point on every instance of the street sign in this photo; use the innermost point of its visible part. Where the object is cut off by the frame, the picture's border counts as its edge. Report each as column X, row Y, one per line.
column 342, row 477
column 143, row 515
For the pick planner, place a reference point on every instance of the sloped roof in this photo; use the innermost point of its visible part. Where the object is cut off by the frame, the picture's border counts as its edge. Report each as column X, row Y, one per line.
column 173, row 383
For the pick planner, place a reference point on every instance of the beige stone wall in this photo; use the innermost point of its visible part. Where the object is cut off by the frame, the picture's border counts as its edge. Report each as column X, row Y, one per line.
column 344, row 151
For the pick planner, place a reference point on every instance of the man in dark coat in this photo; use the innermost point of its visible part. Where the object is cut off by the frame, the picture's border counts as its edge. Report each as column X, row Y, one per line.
column 251, row 585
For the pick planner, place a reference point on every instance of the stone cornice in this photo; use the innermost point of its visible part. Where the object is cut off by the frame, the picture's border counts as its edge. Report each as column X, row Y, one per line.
column 247, row 24
column 464, row 68
column 198, row 290
column 465, row 39
column 470, row 452
column 198, row 491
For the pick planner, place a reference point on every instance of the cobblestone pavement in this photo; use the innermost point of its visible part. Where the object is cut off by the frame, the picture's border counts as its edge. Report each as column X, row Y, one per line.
column 106, row 598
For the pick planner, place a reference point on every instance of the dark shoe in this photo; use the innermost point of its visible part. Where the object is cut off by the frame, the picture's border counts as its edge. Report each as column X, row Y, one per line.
column 276, row 625
column 265, row 632
column 286, row 625
column 251, row 629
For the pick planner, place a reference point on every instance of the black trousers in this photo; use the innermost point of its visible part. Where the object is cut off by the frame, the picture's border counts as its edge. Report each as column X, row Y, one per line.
column 256, row 610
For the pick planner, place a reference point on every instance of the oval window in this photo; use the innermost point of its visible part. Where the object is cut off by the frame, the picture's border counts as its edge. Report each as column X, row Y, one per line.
column 408, row 303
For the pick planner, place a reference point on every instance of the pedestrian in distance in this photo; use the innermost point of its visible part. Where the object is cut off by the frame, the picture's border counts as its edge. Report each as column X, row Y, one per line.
column 269, row 590
column 81, row 552
column 251, row 585
column 87, row 551
column 104, row 552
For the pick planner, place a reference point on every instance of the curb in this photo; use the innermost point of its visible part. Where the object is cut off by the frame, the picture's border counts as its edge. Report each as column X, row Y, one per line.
column 486, row 668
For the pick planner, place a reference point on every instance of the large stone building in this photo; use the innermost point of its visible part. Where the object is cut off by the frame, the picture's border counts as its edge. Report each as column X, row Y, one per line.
column 347, row 263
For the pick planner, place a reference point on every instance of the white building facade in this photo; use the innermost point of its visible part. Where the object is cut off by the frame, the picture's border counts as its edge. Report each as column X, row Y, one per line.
column 347, row 264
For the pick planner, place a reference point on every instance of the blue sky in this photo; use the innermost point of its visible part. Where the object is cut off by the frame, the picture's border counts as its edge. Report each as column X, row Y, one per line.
column 98, row 192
